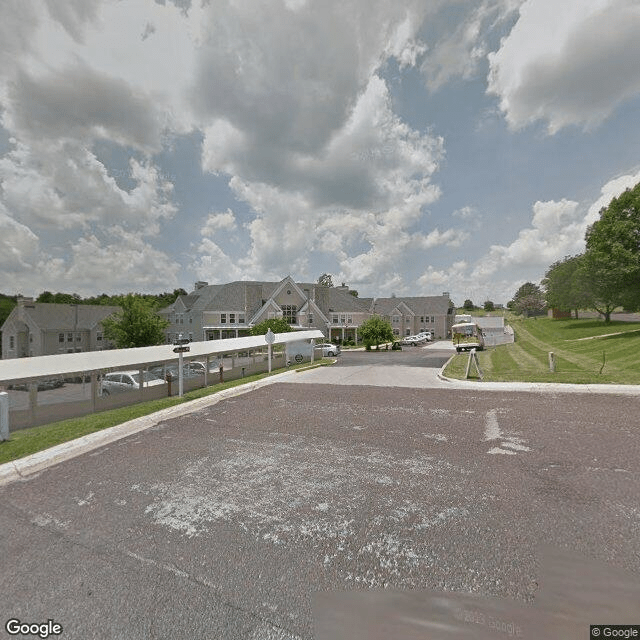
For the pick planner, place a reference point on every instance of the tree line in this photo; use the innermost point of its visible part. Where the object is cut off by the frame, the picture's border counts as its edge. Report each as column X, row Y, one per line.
column 604, row 277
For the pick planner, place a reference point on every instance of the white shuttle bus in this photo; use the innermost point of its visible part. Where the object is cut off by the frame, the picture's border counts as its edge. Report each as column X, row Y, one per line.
column 467, row 335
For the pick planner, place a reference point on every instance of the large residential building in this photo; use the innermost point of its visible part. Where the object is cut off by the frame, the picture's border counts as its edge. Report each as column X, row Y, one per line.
column 42, row 329
column 212, row 312
column 218, row 311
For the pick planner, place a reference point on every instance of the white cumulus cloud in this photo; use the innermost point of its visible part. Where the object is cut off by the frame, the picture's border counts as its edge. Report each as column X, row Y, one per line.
column 568, row 63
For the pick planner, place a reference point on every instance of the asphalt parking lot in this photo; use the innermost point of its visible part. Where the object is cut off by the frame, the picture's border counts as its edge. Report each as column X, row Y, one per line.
column 223, row 523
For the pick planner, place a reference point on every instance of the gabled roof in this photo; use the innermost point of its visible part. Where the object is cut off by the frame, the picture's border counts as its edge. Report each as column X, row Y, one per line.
column 418, row 305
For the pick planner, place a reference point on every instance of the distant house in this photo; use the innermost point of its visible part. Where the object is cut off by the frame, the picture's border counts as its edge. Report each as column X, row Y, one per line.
column 41, row 329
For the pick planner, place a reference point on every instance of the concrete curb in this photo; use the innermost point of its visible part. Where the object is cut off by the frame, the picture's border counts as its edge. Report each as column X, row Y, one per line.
column 25, row 467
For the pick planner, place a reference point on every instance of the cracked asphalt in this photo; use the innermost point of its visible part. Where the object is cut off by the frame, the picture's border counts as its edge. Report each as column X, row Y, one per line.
column 223, row 523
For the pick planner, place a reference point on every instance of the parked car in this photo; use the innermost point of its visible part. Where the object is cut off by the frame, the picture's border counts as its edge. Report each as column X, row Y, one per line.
column 43, row 385
column 328, row 349
column 426, row 335
column 414, row 341
column 119, row 381
column 189, row 370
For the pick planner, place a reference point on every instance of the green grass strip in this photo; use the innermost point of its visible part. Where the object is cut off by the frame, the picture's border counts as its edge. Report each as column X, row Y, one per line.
column 578, row 360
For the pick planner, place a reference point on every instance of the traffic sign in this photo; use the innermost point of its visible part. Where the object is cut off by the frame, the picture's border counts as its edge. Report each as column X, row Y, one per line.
column 182, row 341
column 181, row 349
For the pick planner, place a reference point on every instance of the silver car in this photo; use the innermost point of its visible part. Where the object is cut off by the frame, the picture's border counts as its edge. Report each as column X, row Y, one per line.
column 328, row 349
column 119, row 381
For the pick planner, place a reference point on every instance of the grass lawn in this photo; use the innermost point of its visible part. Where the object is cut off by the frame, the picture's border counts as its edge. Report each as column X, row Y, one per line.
column 586, row 352
column 24, row 442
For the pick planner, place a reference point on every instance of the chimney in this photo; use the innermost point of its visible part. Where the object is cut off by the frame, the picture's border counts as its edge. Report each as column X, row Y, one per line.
column 200, row 284
column 21, row 303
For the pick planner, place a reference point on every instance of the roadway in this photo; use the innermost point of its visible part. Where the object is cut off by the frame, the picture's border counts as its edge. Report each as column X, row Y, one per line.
column 224, row 522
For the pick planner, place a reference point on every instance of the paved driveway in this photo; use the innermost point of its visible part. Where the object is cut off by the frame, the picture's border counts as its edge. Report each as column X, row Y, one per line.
column 223, row 523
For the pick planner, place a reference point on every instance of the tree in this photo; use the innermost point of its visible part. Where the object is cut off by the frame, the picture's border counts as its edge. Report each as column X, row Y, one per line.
column 566, row 287
column 489, row 306
column 277, row 325
column 136, row 325
column 611, row 262
column 375, row 330
column 468, row 305
column 528, row 299
column 325, row 280
column 353, row 292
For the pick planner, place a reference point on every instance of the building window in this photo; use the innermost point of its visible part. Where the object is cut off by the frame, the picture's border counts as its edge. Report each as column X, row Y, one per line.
column 408, row 320
column 290, row 313
column 396, row 332
column 408, row 332
column 223, row 318
column 421, row 318
column 69, row 337
column 232, row 318
column 30, row 337
column 432, row 319
column 349, row 319
column 190, row 320
column 78, row 337
column 61, row 337
column 396, row 318
column 12, row 342
column 310, row 318
column 241, row 318
column 334, row 319
column 99, row 337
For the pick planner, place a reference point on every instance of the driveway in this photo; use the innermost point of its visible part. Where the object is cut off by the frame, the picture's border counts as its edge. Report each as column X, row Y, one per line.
column 225, row 522
column 413, row 367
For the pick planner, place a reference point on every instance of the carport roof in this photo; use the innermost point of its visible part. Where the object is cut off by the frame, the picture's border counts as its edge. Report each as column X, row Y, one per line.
column 69, row 363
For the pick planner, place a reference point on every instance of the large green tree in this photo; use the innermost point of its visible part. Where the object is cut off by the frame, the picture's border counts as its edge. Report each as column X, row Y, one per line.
column 277, row 325
column 611, row 262
column 375, row 331
column 528, row 299
column 566, row 287
column 136, row 325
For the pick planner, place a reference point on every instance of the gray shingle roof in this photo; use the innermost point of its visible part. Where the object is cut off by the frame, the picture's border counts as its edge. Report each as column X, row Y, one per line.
column 420, row 305
column 52, row 316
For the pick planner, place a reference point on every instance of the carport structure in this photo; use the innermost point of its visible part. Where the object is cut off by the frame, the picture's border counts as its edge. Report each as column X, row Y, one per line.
column 88, row 366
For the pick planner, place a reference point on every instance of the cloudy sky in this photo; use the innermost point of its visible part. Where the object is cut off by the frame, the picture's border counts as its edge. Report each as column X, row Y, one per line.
column 408, row 147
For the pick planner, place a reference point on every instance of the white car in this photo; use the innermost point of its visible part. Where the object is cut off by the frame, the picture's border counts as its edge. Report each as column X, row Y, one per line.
column 328, row 349
column 189, row 370
column 119, row 381
column 414, row 341
column 426, row 335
